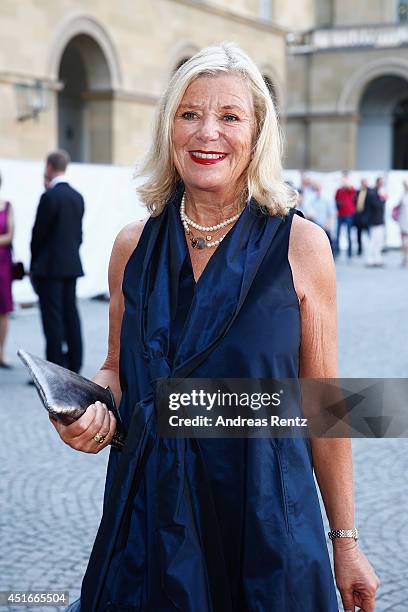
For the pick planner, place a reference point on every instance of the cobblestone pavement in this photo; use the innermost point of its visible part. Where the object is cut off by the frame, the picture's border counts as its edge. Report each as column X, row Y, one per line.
column 51, row 496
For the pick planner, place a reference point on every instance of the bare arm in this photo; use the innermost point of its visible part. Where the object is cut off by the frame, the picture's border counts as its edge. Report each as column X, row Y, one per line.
column 97, row 419
column 315, row 283
column 123, row 247
column 7, row 238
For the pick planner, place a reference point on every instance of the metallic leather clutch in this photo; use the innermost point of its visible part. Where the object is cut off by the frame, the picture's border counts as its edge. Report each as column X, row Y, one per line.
column 66, row 395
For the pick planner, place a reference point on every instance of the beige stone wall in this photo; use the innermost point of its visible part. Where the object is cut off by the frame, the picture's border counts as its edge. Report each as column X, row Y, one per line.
column 297, row 89
column 144, row 44
column 99, row 129
column 244, row 7
column 324, row 12
column 325, row 143
column 323, row 95
column 332, row 74
column 296, row 153
column 132, row 130
column 250, row 8
column 294, row 16
column 24, row 139
column 332, row 142
column 267, row 49
column 352, row 12
column 296, row 146
column 328, row 75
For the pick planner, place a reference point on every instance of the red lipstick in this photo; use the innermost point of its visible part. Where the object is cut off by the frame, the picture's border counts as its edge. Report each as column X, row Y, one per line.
column 202, row 157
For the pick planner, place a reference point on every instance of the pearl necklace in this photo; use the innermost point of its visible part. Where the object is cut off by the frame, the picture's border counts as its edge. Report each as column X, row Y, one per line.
column 198, row 242
column 203, row 228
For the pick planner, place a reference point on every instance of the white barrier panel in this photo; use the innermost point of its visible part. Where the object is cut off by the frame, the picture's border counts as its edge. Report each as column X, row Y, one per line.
column 393, row 188
column 111, row 202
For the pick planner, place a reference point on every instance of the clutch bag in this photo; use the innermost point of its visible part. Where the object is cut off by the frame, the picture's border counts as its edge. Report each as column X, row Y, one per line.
column 66, row 395
column 17, row 270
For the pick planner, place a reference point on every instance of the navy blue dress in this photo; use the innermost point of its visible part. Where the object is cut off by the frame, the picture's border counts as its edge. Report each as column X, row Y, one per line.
column 208, row 525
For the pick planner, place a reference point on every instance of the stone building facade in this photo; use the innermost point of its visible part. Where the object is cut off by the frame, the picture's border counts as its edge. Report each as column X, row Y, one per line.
column 347, row 87
column 86, row 75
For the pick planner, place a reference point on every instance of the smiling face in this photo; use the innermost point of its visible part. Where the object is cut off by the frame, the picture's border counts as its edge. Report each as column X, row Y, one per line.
column 213, row 134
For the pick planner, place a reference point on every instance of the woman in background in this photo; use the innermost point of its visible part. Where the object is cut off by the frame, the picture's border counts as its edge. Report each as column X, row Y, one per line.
column 6, row 303
column 403, row 224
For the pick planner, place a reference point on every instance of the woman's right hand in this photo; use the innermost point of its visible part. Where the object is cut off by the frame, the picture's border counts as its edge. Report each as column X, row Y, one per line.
column 80, row 434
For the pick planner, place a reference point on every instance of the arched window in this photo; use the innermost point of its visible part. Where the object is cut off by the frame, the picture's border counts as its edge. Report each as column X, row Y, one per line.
column 402, row 11
column 265, row 10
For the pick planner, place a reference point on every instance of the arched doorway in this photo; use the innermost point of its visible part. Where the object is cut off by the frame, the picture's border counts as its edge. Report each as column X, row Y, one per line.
column 383, row 125
column 272, row 90
column 400, row 153
column 85, row 102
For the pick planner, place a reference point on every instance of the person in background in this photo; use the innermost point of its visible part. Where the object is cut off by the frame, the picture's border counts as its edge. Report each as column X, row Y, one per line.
column 6, row 301
column 324, row 212
column 360, row 217
column 375, row 204
column 56, row 264
column 403, row 224
column 307, row 196
column 346, row 208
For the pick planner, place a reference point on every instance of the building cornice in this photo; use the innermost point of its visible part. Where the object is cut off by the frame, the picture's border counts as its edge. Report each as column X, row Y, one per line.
column 348, row 38
column 137, row 97
column 321, row 116
column 21, row 78
column 16, row 77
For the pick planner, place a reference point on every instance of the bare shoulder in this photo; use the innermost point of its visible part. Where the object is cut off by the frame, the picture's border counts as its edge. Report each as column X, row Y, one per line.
column 307, row 237
column 127, row 239
column 310, row 257
column 125, row 243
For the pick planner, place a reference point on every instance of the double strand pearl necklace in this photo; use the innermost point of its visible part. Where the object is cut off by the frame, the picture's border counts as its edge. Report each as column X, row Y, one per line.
column 199, row 242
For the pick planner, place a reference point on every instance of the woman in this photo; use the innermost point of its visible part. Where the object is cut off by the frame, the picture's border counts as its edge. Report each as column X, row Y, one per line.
column 204, row 288
column 6, row 302
column 403, row 223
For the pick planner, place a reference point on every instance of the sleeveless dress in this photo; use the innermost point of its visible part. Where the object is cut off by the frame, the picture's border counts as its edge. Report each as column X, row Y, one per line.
column 6, row 302
column 208, row 525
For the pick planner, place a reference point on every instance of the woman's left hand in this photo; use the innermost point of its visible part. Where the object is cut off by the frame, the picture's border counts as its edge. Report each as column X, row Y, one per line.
column 355, row 577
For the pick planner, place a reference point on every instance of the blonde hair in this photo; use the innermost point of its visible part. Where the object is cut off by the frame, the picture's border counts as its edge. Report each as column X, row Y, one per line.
column 264, row 179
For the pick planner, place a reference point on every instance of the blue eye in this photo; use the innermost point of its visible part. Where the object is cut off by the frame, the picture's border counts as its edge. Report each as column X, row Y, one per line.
column 230, row 118
column 188, row 115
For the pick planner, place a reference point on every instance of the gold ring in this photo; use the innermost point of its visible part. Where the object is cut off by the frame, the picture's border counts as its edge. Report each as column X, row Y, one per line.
column 99, row 438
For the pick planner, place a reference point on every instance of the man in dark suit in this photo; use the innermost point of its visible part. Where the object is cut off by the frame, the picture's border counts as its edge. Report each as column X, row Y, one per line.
column 375, row 204
column 361, row 215
column 55, row 262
